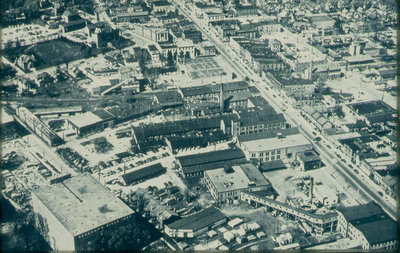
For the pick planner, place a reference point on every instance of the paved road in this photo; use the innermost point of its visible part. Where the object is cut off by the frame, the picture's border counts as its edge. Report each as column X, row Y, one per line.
column 363, row 184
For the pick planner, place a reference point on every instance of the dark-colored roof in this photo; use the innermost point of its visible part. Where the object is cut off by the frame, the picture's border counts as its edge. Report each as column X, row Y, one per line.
column 235, row 86
column 199, row 220
column 211, row 157
column 182, row 142
column 256, row 116
column 152, row 48
column 372, row 221
column 272, row 165
column 360, row 212
column 199, row 90
column 182, row 126
column 103, row 114
column 143, row 173
column 379, row 231
column 169, row 97
column 309, row 156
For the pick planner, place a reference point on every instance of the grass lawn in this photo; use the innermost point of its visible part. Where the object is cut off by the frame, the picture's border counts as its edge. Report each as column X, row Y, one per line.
column 58, row 51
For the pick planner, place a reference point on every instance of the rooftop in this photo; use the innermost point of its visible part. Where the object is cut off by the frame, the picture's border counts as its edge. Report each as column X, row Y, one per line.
column 273, row 143
column 85, row 119
column 236, row 178
column 143, row 172
column 199, row 220
column 5, row 117
column 210, row 157
column 272, row 165
column 268, row 134
column 82, row 203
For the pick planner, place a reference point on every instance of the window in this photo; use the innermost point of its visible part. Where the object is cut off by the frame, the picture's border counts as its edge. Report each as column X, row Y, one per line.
column 253, row 155
column 278, row 152
column 267, row 153
column 278, row 157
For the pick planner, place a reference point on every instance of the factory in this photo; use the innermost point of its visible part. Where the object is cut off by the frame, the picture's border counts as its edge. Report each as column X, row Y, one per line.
column 95, row 211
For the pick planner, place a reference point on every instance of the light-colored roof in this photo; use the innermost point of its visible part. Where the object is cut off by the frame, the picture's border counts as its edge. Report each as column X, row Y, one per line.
column 81, row 203
column 85, row 119
column 5, row 117
column 241, row 178
column 274, row 143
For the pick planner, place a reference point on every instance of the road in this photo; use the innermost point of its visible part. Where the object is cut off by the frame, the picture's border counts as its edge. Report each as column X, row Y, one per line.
column 293, row 116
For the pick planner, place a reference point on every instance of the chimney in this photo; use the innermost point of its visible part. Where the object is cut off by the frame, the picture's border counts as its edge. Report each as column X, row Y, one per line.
column 311, row 193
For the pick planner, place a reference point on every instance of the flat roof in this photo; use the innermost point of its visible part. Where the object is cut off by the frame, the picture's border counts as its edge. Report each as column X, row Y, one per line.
column 85, row 119
column 275, row 143
column 5, row 117
column 199, row 220
column 81, row 203
column 309, row 156
column 236, row 178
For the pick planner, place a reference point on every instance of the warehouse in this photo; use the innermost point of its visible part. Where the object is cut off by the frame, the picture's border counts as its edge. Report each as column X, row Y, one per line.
column 191, row 226
column 274, row 145
column 195, row 165
column 95, row 211
column 142, row 174
column 369, row 225
column 225, row 184
column 90, row 122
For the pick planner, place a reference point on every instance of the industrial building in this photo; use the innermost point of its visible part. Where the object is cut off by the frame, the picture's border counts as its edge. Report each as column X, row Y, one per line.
column 191, row 226
column 369, row 225
column 225, row 184
column 274, row 145
column 143, row 174
column 76, row 211
column 309, row 160
column 89, row 122
column 195, row 165
column 35, row 125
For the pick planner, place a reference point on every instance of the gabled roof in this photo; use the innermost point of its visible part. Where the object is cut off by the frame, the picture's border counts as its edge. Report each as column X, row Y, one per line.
column 199, row 220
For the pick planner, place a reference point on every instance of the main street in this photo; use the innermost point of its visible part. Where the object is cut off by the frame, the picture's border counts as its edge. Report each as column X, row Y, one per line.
column 365, row 185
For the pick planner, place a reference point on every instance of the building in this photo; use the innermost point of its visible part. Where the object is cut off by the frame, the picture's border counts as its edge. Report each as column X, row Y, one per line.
column 75, row 212
column 309, row 160
column 143, row 174
column 273, row 145
column 369, row 225
column 154, row 33
column 34, row 124
column 155, row 56
column 254, row 120
column 194, row 225
column 195, row 165
column 225, row 184
column 89, row 122
column 128, row 13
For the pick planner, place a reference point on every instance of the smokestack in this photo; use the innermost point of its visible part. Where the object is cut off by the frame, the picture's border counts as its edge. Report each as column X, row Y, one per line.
column 311, row 193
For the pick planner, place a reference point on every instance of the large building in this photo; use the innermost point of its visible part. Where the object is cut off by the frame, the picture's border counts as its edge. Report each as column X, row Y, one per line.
column 73, row 213
column 89, row 122
column 191, row 226
column 273, row 145
column 369, row 225
column 225, row 184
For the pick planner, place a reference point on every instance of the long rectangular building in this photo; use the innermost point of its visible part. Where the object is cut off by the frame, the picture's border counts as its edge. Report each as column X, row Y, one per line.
column 274, row 145
column 191, row 226
column 74, row 212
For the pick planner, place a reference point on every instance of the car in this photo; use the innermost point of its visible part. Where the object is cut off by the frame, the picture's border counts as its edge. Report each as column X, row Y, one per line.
column 351, row 166
column 356, row 171
column 380, row 193
column 338, row 156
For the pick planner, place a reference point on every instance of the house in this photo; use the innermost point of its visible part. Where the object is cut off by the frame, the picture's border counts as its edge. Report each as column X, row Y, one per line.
column 369, row 225
column 168, row 98
column 225, row 184
column 196, row 224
